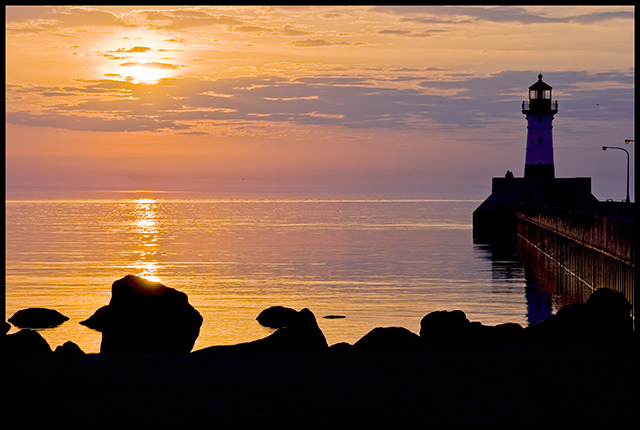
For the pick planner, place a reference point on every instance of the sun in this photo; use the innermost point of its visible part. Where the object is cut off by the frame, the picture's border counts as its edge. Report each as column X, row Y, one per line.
column 145, row 75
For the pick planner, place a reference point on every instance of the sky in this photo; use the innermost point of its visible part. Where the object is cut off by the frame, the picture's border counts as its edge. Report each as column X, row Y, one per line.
column 334, row 101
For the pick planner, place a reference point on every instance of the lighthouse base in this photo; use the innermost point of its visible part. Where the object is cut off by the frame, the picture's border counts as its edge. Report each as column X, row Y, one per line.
column 494, row 219
column 540, row 171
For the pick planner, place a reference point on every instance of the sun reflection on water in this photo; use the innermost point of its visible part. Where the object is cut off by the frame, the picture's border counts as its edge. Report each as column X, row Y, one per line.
column 148, row 232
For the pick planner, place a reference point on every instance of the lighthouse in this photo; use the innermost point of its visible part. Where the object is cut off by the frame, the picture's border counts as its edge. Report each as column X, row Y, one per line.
column 495, row 218
column 539, row 111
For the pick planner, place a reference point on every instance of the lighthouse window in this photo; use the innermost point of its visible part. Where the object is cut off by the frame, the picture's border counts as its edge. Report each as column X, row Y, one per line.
column 539, row 139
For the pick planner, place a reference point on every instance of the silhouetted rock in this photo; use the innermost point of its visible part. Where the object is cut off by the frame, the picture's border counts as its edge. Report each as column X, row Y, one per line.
column 508, row 334
column 99, row 320
column 145, row 316
column 604, row 318
column 389, row 339
column 453, row 329
column 341, row 347
column 300, row 334
column 25, row 342
column 37, row 318
column 445, row 328
column 611, row 313
column 277, row 317
column 69, row 348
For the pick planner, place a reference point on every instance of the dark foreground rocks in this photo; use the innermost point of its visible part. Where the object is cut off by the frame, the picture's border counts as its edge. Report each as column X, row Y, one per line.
column 231, row 388
column 297, row 331
column 575, row 368
column 145, row 316
column 25, row 342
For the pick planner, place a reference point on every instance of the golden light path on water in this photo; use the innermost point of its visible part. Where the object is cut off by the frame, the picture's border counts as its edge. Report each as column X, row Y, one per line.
column 148, row 232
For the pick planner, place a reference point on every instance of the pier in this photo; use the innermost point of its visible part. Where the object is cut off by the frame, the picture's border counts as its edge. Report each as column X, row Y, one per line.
column 579, row 251
column 571, row 241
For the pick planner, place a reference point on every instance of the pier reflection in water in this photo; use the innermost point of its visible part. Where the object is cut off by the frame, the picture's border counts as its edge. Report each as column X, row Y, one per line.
column 547, row 287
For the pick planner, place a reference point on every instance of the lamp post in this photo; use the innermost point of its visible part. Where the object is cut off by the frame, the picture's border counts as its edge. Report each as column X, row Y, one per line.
column 604, row 148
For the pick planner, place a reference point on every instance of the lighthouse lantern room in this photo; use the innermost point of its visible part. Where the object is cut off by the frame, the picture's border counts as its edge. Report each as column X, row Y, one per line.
column 539, row 111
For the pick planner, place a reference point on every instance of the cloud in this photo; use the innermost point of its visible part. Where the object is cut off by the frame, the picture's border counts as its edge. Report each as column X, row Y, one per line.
column 135, row 49
column 29, row 19
column 321, row 43
column 352, row 102
column 412, row 33
column 152, row 65
column 181, row 19
column 255, row 30
column 500, row 14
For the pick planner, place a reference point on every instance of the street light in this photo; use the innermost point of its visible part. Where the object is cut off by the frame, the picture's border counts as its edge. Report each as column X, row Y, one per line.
column 604, row 148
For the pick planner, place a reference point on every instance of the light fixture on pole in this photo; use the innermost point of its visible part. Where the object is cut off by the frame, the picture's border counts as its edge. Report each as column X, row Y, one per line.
column 604, row 148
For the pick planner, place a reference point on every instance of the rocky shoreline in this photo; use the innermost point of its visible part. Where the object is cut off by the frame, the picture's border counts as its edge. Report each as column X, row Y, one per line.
column 575, row 368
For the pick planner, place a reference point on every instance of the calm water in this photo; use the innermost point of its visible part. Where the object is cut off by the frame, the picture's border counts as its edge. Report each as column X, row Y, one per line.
column 377, row 262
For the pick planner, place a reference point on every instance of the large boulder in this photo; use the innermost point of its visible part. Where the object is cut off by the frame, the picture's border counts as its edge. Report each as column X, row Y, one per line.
column 69, row 348
column 145, row 316
column 25, row 342
column 277, row 317
column 604, row 318
column 507, row 334
column 297, row 331
column 453, row 329
column 37, row 318
column 445, row 328
column 301, row 333
column 389, row 339
column 610, row 312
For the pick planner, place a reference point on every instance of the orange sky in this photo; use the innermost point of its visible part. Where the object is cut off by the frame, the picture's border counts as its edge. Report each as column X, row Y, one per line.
column 386, row 101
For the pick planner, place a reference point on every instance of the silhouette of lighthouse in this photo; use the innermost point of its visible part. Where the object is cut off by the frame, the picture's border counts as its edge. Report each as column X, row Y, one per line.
column 495, row 218
column 539, row 111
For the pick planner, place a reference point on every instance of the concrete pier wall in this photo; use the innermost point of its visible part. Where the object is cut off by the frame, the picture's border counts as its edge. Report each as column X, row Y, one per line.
column 594, row 250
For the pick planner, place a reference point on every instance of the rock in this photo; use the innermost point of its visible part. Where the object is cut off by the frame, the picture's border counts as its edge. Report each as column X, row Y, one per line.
column 300, row 334
column 389, row 339
column 445, row 328
column 25, row 342
column 277, row 317
column 567, row 326
column 610, row 312
column 508, row 334
column 145, row 316
column 604, row 319
column 99, row 320
column 69, row 348
column 37, row 318
column 341, row 347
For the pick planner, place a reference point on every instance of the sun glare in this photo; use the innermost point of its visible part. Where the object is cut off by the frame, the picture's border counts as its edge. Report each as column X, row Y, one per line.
column 145, row 75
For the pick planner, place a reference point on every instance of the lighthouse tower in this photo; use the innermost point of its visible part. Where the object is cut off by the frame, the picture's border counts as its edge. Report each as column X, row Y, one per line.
column 495, row 218
column 539, row 111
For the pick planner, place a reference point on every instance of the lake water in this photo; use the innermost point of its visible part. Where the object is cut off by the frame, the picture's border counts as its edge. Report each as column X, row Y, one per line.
column 378, row 263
